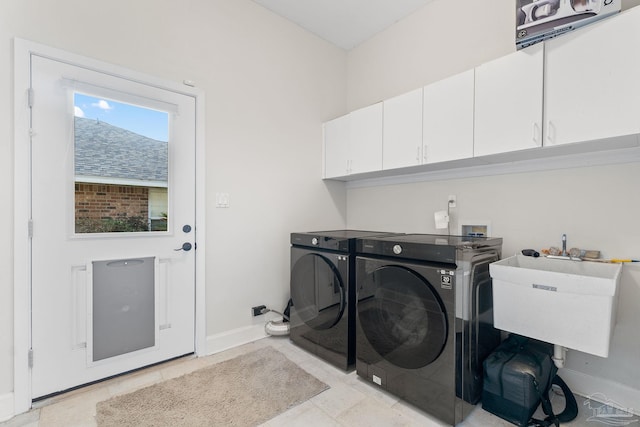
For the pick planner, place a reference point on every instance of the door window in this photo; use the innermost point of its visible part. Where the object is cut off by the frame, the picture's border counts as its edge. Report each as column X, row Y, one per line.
column 402, row 316
column 317, row 291
column 121, row 166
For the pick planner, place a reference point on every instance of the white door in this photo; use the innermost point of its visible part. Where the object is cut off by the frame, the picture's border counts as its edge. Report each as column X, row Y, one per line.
column 113, row 203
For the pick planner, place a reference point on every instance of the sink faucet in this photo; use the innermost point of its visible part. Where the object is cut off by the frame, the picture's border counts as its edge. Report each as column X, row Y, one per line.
column 564, row 245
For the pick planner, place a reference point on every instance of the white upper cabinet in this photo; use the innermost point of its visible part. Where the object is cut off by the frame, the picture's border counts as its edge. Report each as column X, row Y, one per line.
column 580, row 90
column 402, row 130
column 592, row 81
column 508, row 102
column 448, row 119
column 353, row 143
column 365, row 145
column 336, row 147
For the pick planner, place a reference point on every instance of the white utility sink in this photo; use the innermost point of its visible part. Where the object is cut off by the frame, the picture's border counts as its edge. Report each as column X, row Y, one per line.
column 568, row 303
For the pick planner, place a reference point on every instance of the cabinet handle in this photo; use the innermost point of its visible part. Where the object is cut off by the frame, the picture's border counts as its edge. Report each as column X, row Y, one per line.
column 551, row 133
column 418, row 155
column 536, row 134
column 348, row 164
column 424, row 154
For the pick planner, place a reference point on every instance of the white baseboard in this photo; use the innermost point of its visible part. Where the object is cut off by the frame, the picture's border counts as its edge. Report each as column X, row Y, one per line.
column 6, row 406
column 226, row 340
column 603, row 390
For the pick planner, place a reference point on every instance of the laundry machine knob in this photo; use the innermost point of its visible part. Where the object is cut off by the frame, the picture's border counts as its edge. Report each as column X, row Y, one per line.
column 397, row 249
column 314, row 241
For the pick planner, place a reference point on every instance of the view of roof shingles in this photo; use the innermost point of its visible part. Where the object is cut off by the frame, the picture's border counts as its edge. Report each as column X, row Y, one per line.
column 104, row 150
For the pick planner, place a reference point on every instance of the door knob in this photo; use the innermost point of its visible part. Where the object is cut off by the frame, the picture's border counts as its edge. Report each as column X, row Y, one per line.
column 185, row 247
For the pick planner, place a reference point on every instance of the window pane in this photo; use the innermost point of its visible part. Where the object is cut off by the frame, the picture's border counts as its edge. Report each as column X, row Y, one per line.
column 121, row 166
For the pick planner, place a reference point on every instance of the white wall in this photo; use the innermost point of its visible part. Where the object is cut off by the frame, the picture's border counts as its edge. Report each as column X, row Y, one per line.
column 596, row 207
column 268, row 85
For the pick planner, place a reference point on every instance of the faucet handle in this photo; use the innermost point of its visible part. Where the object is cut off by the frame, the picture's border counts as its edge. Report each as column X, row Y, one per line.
column 575, row 253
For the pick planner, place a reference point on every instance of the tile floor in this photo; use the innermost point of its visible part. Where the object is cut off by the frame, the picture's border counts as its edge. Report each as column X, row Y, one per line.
column 349, row 402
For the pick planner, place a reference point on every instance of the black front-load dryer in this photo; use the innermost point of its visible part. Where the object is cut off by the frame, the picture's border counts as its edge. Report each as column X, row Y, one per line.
column 322, row 316
column 424, row 319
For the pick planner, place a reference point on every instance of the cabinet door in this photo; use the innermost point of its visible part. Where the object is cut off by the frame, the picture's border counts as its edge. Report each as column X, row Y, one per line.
column 336, row 147
column 402, row 130
column 508, row 102
column 365, row 144
column 448, row 119
column 592, row 81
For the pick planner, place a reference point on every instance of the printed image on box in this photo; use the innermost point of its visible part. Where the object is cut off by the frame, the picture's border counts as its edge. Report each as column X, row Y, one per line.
column 538, row 20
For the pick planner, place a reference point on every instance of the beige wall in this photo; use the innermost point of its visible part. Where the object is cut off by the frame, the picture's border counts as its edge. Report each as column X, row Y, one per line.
column 597, row 207
column 439, row 40
column 268, row 85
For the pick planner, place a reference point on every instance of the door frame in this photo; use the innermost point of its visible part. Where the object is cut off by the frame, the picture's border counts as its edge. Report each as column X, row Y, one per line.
column 23, row 51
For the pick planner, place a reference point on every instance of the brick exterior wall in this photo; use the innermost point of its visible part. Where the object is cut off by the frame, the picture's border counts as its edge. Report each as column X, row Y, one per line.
column 100, row 201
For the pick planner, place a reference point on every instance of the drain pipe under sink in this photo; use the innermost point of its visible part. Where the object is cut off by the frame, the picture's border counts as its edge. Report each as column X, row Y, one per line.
column 559, row 353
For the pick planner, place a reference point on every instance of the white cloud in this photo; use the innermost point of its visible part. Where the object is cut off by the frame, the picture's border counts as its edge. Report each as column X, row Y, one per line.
column 102, row 104
column 77, row 111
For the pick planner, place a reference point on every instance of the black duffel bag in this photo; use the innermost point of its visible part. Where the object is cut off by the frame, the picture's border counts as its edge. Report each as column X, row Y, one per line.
column 517, row 378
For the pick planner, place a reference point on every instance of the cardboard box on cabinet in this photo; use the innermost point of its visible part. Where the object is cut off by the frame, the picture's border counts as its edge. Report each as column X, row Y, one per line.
column 538, row 20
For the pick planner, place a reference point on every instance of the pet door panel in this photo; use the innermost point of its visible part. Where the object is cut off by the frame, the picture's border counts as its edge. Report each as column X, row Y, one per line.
column 123, row 306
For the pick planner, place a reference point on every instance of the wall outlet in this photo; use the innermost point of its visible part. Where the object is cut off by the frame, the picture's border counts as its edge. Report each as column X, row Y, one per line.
column 258, row 310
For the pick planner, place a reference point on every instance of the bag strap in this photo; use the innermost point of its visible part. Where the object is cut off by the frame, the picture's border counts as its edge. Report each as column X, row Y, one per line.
column 546, row 407
column 570, row 411
column 570, row 406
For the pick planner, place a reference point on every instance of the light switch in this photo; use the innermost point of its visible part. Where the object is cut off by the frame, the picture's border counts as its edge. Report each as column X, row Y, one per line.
column 222, row 200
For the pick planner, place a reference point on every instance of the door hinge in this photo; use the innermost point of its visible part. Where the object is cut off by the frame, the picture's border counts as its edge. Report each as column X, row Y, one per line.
column 30, row 97
column 30, row 357
column 30, row 225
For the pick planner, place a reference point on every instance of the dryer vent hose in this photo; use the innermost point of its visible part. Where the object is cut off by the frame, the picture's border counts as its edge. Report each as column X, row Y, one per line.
column 278, row 327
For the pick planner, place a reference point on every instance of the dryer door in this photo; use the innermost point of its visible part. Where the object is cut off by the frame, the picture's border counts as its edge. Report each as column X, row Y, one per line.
column 317, row 291
column 401, row 314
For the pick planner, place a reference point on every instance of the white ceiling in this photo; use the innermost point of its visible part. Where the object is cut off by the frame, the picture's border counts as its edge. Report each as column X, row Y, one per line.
column 345, row 23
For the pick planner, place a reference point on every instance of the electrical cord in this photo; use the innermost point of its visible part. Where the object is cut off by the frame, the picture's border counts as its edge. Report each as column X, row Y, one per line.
column 449, row 216
column 267, row 310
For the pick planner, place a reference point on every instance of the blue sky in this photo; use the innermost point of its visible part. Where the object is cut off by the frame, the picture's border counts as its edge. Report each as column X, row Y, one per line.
column 144, row 121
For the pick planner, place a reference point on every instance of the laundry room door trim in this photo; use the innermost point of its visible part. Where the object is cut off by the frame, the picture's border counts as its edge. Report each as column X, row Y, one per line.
column 23, row 52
